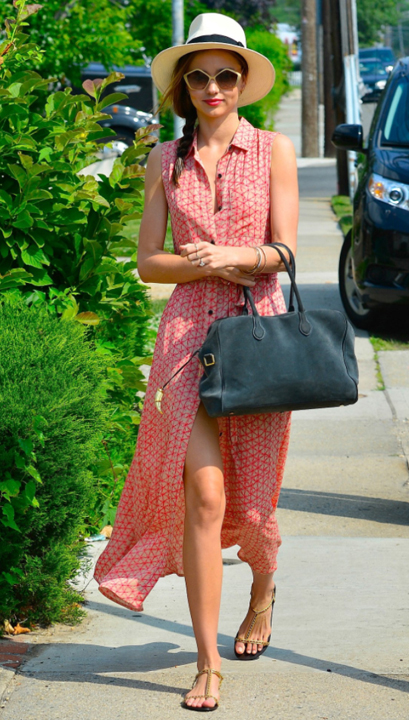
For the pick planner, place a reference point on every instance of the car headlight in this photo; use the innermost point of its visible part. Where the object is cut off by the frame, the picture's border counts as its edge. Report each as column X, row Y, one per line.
column 389, row 191
column 380, row 84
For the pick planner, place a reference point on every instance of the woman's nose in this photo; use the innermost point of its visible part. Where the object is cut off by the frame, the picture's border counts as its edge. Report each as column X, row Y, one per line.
column 212, row 87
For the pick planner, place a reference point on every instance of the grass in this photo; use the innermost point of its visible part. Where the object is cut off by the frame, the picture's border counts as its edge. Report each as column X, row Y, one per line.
column 387, row 343
column 342, row 208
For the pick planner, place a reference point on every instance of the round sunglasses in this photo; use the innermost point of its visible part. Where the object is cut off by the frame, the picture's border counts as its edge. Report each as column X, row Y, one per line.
column 199, row 79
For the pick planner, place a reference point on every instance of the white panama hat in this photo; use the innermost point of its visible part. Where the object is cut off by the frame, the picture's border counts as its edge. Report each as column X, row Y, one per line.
column 214, row 31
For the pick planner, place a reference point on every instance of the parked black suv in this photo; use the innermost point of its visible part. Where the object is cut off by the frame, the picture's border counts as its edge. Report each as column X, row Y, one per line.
column 374, row 263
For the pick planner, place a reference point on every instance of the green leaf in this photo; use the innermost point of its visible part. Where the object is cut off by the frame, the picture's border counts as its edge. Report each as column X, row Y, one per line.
column 34, row 473
column 26, row 446
column 8, row 512
column 86, row 267
column 24, row 220
column 39, row 195
column 117, row 172
column 40, row 277
column 18, row 173
column 10, row 487
column 112, row 77
column 6, row 198
column 34, row 256
column 26, row 160
column 88, row 318
column 29, row 491
column 11, row 578
column 14, row 89
column 111, row 100
column 99, row 200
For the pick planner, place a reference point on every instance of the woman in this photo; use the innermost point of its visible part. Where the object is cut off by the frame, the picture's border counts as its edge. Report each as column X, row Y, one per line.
column 198, row 484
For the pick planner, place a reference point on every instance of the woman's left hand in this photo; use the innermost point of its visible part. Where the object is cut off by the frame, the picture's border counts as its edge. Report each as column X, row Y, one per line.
column 214, row 257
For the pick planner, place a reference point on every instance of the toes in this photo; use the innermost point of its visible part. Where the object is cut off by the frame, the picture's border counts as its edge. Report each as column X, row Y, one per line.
column 240, row 648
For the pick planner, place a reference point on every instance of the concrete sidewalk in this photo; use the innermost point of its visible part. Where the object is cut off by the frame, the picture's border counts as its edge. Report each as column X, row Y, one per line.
column 340, row 637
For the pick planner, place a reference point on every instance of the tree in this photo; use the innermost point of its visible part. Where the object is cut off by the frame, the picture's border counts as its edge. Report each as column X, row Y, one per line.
column 246, row 12
column 287, row 11
column 373, row 17
column 73, row 34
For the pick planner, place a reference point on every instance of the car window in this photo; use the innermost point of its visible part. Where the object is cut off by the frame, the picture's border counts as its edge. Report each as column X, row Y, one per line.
column 396, row 126
column 372, row 67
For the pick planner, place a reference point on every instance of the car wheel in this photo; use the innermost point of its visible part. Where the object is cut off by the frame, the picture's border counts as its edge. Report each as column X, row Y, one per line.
column 362, row 316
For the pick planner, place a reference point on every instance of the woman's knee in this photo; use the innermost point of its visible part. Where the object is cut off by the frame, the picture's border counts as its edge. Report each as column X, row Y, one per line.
column 205, row 500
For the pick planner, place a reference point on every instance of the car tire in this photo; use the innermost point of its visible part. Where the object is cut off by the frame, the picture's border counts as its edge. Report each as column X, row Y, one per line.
column 361, row 316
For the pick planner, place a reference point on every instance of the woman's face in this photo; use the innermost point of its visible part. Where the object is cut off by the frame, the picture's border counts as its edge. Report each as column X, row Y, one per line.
column 213, row 101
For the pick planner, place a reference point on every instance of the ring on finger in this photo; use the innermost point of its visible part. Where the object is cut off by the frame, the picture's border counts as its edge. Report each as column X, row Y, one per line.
column 202, row 263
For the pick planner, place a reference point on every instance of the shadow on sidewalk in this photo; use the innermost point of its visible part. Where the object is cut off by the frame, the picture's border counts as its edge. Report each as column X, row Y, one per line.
column 162, row 656
column 379, row 510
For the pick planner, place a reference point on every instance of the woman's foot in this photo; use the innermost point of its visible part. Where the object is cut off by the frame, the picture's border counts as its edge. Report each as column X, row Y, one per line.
column 261, row 629
column 199, row 687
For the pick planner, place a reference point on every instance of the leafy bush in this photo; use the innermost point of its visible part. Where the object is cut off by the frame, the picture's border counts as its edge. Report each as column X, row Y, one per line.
column 261, row 113
column 53, row 417
column 61, row 232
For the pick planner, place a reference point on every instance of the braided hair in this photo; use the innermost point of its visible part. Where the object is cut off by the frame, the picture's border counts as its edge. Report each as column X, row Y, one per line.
column 177, row 95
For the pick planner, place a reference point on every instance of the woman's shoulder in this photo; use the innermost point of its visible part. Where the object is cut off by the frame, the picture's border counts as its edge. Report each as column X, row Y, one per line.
column 168, row 150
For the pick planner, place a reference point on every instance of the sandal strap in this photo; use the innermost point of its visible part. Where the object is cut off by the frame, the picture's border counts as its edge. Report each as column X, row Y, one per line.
column 259, row 612
column 253, row 622
column 205, row 697
column 208, row 672
column 265, row 643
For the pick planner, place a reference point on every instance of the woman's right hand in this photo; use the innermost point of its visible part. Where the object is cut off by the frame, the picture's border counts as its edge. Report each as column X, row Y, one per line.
column 234, row 275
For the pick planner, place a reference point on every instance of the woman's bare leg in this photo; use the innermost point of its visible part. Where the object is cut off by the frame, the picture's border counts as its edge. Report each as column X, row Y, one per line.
column 202, row 557
column 261, row 590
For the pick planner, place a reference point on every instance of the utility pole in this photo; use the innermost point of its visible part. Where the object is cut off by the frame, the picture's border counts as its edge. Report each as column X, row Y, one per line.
column 339, row 91
column 309, row 117
column 329, row 111
column 178, row 37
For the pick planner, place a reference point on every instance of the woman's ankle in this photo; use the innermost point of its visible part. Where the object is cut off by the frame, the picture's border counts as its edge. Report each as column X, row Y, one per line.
column 261, row 592
column 209, row 660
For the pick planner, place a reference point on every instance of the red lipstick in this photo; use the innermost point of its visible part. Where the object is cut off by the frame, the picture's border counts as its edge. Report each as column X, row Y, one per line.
column 213, row 102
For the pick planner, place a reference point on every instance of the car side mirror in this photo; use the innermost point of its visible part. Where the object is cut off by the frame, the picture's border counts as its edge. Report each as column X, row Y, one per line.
column 348, row 137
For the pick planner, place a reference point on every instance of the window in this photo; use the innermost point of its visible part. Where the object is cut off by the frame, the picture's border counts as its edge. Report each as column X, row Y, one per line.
column 396, row 127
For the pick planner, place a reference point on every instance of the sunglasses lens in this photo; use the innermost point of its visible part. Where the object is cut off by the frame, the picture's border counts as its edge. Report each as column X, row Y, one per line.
column 226, row 80
column 197, row 80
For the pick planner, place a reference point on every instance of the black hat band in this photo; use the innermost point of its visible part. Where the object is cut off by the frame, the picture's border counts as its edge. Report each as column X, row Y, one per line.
column 215, row 38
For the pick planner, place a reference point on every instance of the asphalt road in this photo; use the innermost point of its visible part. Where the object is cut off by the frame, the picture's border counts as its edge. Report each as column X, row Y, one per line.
column 319, row 182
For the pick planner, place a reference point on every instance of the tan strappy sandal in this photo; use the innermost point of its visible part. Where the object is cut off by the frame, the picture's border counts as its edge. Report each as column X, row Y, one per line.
column 265, row 643
column 207, row 695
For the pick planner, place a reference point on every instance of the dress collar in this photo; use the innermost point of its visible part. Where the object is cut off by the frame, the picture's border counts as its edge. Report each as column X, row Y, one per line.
column 242, row 139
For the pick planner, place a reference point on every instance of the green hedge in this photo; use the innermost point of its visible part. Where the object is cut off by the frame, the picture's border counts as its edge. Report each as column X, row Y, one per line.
column 53, row 416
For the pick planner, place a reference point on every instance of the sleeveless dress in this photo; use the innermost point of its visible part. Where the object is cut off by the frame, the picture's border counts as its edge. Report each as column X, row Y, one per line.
column 147, row 537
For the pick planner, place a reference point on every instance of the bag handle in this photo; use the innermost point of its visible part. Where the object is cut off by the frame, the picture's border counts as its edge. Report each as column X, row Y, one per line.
column 291, row 307
column 258, row 330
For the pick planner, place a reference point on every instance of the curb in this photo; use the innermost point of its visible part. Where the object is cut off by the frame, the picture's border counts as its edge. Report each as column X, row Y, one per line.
column 12, row 652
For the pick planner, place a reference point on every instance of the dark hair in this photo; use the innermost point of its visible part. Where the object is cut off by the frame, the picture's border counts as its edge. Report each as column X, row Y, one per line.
column 178, row 97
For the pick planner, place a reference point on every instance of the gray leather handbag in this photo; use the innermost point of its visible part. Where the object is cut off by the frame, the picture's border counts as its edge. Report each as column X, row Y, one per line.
column 299, row 360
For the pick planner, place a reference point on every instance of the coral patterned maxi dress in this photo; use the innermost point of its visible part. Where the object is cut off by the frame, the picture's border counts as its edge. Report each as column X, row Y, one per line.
column 147, row 537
